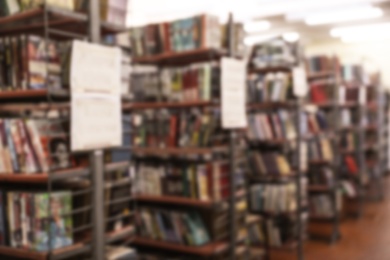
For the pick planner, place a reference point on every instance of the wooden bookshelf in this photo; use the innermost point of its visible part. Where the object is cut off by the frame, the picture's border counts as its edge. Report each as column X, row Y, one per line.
column 271, row 105
column 28, row 94
column 320, row 188
column 32, row 22
column 61, row 253
column 271, row 69
column 181, row 58
column 176, row 200
column 320, row 75
column 319, row 162
column 289, row 246
column 207, row 250
column 159, row 105
column 119, row 235
column 176, row 151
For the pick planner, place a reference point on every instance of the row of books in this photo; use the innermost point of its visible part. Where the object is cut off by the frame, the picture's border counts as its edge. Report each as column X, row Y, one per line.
column 270, row 126
column 176, row 129
column 349, row 141
column 322, row 205
column 268, row 164
column 112, row 11
column 269, row 87
column 33, row 146
column 322, row 91
column 205, row 182
column 323, row 176
column 25, row 64
column 321, row 63
column 256, row 234
column 37, row 221
column 273, row 53
column 313, row 123
column 179, row 227
column 320, row 149
column 273, row 198
column 197, row 82
column 197, row 32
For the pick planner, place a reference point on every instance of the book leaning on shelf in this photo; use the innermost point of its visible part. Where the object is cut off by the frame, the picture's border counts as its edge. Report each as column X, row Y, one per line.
column 163, row 128
column 180, row 227
column 322, row 176
column 34, row 146
column 196, row 82
column 205, row 182
column 38, row 222
column 320, row 149
column 268, row 164
column 271, row 126
column 314, row 123
column 269, row 87
column 192, row 33
column 273, row 198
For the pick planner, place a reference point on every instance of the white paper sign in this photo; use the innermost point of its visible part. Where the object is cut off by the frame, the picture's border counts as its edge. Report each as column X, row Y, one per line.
column 233, row 86
column 300, row 85
column 362, row 95
column 96, row 121
column 95, row 68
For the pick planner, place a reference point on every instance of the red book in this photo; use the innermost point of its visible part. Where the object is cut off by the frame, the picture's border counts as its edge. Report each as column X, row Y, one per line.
column 317, row 94
column 351, row 164
column 172, row 131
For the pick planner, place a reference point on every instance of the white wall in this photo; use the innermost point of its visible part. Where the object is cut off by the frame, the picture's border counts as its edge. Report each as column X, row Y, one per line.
column 374, row 55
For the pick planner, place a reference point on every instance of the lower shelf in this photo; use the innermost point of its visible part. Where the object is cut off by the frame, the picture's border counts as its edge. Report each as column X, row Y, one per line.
column 61, row 253
column 206, row 250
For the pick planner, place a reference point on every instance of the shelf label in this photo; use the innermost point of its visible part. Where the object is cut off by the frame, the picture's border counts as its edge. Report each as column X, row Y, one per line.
column 233, row 87
column 300, row 86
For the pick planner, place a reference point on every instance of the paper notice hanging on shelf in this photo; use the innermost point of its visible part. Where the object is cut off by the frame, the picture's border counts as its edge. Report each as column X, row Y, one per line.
column 300, row 85
column 233, row 86
column 95, row 68
column 96, row 121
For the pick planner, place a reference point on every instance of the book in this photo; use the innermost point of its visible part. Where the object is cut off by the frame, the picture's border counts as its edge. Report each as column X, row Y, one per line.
column 268, row 164
column 269, row 87
column 120, row 253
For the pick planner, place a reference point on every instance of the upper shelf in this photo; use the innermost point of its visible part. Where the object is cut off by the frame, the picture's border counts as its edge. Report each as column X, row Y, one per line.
column 33, row 22
column 180, row 58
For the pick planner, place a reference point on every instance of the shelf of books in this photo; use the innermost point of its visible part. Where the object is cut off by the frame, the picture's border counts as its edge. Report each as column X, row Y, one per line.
column 352, row 139
column 277, row 169
column 385, row 99
column 190, row 195
column 321, row 123
column 46, row 190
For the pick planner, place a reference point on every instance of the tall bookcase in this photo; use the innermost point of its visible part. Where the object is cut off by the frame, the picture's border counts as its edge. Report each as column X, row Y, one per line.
column 159, row 154
column 83, row 182
column 324, row 81
column 277, row 159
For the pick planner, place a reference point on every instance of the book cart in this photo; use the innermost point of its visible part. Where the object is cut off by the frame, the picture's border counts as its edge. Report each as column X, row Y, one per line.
column 220, row 216
column 83, row 184
column 283, row 162
column 324, row 80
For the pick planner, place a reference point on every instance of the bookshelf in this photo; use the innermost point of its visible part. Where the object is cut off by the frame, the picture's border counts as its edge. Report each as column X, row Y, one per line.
column 164, row 158
column 71, row 183
column 322, row 123
column 276, row 163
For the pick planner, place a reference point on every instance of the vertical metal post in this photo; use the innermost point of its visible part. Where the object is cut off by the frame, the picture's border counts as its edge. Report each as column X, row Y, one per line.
column 96, row 157
column 361, row 158
column 96, row 162
column 298, row 181
column 232, row 137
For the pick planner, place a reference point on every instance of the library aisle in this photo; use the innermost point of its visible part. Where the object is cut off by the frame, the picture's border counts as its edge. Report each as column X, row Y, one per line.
column 363, row 239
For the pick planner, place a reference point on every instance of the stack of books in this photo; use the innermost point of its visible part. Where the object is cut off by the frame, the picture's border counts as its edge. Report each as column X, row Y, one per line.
column 273, row 198
column 271, row 126
column 205, row 182
column 178, row 227
column 268, row 164
column 165, row 128
column 269, row 87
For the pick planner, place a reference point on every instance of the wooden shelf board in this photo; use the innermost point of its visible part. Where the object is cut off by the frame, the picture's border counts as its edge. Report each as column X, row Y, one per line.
column 320, row 74
column 124, row 233
column 209, row 249
column 174, row 200
column 34, row 255
column 159, row 105
column 321, row 218
column 319, row 188
column 176, row 151
column 273, row 177
column 271, row 105
column 289, row 246
column 177, row 58
column 42, row 178
column 271, row 69
column 269, row 214
column 319, row 162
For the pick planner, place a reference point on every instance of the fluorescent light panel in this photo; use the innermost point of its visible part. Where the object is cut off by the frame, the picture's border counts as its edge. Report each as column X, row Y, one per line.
column 257, row 26
column 351, row 14
column 364, row 30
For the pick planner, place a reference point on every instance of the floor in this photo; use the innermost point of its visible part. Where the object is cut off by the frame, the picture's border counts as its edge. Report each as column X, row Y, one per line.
column 367, row 238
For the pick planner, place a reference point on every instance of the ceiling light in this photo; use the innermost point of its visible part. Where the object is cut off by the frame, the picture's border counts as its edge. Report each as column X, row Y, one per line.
column 256, row 26
column 353, row 14
column 365, row 30
column 254, row 39
column 291, row 36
